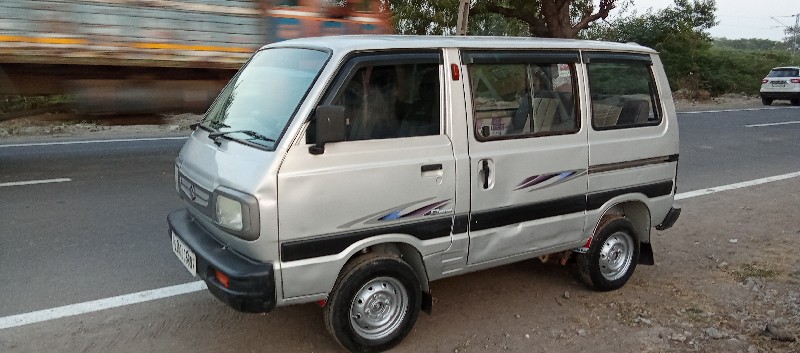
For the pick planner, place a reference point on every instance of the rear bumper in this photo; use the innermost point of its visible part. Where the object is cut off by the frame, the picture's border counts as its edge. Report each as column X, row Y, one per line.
column 252, row 284
column 671, row 218
column 780, row 95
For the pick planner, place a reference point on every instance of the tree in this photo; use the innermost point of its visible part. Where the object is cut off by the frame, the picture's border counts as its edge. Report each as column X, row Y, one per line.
column 677, row 32
column 539, row 18
column 548, row 18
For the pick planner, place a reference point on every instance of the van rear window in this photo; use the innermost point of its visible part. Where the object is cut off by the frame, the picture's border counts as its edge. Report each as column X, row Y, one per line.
column 623, row 95
column 784, row 73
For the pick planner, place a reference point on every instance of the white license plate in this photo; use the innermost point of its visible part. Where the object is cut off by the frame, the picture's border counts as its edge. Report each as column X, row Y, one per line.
column 778, row 84
column 184, row 254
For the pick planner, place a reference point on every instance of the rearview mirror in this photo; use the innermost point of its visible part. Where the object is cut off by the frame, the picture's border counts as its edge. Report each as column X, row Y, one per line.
column 330, row 127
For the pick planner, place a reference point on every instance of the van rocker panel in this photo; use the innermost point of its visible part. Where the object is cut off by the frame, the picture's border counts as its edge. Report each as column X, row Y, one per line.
column 252, row 284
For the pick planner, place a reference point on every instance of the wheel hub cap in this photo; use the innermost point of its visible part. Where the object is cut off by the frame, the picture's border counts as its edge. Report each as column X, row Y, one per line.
column 378, row 308
column 616, row 255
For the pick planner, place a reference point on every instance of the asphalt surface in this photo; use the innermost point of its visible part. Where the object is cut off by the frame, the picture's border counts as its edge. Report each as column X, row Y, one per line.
column 103, row 233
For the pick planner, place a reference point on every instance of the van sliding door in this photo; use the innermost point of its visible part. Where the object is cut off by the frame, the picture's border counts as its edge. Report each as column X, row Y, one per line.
column 528, row 153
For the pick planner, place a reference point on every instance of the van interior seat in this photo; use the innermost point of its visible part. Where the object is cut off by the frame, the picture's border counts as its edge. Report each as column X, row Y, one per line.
column 634, row 112
column 421, row 118
column 605, row 114
column 544, row 113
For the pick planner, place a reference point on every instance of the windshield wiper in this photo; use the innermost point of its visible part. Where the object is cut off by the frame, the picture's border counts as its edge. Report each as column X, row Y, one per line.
column 216, row 135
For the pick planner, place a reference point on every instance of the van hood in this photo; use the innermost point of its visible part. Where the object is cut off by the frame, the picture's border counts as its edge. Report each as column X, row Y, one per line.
column 204, row 166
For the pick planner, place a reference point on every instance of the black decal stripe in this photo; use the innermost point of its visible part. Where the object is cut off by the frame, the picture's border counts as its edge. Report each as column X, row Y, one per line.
column 335, row 243
column 598, row 199
column 601, row 168
column 442, row 227
column 461, row 224
column 513, row 215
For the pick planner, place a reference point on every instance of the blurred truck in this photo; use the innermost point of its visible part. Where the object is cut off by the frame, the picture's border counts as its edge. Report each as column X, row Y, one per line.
column 147, row 56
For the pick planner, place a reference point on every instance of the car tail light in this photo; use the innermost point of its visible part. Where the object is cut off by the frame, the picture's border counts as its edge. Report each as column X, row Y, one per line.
column 795, row 80
column 764, row 81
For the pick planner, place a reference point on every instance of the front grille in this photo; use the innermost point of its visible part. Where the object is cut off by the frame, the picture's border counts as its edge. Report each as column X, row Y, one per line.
column 195, row 195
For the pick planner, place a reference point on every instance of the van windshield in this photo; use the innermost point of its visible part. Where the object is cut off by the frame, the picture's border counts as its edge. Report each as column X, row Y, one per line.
column 258, row 103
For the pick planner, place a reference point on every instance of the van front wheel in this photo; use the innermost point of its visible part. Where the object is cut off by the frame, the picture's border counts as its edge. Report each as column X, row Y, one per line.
column 612, row 256
column 374, row 303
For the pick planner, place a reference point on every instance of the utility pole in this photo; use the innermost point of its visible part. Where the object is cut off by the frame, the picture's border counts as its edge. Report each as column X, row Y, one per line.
column 463, row 17
column 794, row 31
column 794, row 34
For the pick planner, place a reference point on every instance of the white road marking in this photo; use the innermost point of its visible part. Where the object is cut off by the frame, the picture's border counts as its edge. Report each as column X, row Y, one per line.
column 774, row 124
column 734, row 110
column 83, row 142
column 696, row 193
column 166, row 292
column 100, row 304
column 34, row 182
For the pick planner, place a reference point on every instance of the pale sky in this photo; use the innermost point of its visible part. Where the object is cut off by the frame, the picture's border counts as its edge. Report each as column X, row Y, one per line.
column 743, row 18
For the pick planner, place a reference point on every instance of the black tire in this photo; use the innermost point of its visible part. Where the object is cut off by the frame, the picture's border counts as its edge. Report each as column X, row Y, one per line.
column 602, row 272
column 383, row 282
column 795, row 101
column 766, row 101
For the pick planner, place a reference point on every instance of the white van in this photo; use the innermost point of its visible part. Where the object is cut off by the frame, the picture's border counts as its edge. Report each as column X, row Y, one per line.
column 353, row 171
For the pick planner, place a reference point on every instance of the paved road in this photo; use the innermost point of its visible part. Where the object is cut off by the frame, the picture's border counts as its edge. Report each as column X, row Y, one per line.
column 721, row 148
column 102, row 234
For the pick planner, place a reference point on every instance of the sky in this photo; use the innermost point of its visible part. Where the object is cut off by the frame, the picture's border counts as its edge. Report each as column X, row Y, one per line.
column 743, row 18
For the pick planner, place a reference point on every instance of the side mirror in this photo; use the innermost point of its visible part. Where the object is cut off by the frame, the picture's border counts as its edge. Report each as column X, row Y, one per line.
column 330, row 127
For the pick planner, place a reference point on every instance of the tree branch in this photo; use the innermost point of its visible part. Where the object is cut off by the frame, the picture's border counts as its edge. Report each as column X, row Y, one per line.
column 605, row 7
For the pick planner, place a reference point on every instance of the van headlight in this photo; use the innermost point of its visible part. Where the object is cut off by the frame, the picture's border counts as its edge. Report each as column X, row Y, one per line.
column 236, row 212
column 229, row 212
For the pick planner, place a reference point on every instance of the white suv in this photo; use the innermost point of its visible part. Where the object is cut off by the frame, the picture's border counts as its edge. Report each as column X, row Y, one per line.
column 781, row 83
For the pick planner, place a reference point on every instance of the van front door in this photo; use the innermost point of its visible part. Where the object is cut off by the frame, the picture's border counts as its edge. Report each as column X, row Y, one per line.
column 528, row 153
column 391, row 181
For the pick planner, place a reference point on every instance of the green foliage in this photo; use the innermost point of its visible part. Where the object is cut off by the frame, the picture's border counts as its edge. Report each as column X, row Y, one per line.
column 10, row 104
column 728, row 70
column 751, row 44
column 677, row 32
column 497, row 17
column 423, row 16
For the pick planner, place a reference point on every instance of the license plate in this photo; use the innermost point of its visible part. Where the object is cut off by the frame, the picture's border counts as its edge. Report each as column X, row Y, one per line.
column 184, row 254
column 778, row 84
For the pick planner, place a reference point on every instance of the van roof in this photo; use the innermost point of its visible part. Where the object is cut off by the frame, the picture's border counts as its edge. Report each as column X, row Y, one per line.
column 380, row 42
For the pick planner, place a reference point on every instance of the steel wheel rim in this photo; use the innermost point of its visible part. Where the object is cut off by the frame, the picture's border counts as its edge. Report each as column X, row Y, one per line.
column 378, row 308
column 616, row 256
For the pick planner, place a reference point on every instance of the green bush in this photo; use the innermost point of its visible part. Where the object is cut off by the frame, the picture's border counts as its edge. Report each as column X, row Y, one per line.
column 726, row 70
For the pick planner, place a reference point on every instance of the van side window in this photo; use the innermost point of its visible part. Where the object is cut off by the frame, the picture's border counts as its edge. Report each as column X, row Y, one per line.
column 517, row 99
column 623, row 95
column 391, row 101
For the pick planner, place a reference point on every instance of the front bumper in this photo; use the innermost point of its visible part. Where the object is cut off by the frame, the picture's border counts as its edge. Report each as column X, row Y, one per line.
column 252, row 284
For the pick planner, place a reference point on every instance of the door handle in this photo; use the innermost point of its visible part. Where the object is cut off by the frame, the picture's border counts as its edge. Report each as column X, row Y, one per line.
column 486, row 171
column 431, row 170
column 431, row 167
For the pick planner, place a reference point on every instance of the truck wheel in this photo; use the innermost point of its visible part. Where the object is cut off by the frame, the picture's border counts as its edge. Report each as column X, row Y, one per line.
column 612, row 256
column 374, row 303
column 766, row 101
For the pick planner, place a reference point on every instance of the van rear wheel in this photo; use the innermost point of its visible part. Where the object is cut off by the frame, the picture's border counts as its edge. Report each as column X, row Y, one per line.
column 374, row 303
column 612, row 256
